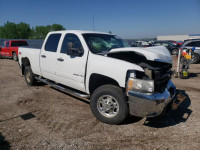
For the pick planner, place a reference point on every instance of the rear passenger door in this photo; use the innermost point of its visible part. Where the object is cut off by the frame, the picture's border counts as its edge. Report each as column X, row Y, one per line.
column 48, row 56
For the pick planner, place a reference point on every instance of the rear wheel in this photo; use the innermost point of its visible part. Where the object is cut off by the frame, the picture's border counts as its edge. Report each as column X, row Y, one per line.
column 108, row 104
column 29, row 76
column 174, row 51
column 0, row 56
column 15, row 56
column 195, row 59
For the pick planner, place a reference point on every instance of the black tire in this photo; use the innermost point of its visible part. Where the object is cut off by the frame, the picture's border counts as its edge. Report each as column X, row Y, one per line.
column 0, row 56
column 15, row 56
column 174, row 51
column 195, row 59
column 117, row 94
column 29, row 76
column 175, row 74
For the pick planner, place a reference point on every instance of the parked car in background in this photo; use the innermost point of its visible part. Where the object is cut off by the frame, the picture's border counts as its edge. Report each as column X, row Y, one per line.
column 173, row 49
column 140, row 44
column 176, row 43
column 188, row 44
column 9, row 49
column 180, row 42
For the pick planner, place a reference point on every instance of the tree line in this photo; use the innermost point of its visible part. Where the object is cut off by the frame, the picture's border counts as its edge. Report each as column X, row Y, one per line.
column 11, row 30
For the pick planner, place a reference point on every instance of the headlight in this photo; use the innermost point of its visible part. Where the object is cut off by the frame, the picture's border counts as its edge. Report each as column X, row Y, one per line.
column 144, row 86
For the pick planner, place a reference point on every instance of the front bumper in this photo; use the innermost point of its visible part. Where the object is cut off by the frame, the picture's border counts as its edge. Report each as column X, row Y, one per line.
column 150, row 105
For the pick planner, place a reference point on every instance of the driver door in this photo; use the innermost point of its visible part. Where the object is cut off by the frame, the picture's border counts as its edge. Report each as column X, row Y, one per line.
column 70, row 69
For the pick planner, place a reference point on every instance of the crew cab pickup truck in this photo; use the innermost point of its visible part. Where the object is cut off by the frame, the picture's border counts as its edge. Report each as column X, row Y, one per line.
column 10, row 48
column 117, row 79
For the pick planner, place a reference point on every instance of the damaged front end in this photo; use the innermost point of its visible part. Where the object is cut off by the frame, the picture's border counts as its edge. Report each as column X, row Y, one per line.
column 149, row 92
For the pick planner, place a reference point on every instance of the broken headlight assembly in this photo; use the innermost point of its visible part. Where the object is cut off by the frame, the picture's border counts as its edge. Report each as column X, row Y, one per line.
column 139, row 85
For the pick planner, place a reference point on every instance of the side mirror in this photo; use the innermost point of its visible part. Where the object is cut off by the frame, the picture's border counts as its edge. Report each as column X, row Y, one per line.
column 72, row 51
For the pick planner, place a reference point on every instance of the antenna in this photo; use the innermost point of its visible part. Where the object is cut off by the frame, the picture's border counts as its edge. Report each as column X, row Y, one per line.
column 93, row 23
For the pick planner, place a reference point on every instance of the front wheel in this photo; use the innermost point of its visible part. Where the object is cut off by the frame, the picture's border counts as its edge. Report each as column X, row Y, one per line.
column 15, row 56
column 29, row 76
column 195, row 59
column 109, row 105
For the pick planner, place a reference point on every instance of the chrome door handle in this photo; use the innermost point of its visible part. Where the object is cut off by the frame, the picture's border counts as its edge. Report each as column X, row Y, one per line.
column 43, row 56
column 60, row 59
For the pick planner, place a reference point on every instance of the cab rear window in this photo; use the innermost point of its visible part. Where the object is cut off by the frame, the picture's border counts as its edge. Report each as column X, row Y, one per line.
column 18, row 43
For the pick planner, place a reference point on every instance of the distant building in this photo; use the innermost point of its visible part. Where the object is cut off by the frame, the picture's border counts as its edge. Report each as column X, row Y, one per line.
column 178, row 37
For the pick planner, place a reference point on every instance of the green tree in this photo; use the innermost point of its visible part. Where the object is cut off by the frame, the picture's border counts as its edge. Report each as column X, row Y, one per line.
column 57, row 27
column 32, row 35
column 9, row 30
column 23, row 30
column 40, row 32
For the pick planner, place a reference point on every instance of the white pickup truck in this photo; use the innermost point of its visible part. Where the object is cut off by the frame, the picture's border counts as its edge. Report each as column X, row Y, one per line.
column 119, row 80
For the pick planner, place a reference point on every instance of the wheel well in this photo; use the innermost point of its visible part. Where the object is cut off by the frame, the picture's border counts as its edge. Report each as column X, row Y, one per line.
column 13, row 52
column 97, row 80
column 25, row 63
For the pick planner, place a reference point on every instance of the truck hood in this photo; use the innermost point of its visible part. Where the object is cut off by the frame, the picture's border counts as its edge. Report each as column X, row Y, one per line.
column 157, row 53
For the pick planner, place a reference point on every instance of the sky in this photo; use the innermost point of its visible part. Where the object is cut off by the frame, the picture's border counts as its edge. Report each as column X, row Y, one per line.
column 125, row 18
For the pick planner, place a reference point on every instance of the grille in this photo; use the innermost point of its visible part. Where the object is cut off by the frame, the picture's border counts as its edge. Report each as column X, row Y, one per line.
column 161, row 78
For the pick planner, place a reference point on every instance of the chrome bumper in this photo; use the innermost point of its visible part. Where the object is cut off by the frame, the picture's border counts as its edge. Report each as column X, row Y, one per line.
column 150, row 105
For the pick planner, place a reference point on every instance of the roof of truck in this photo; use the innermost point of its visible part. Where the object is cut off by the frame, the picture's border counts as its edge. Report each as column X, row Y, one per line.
column 79, row 31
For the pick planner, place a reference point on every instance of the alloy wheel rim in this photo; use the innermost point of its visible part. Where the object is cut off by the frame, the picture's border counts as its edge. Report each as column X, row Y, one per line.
column 174, row 52
column 194, row 58
column 28, row 77
column 108, row 106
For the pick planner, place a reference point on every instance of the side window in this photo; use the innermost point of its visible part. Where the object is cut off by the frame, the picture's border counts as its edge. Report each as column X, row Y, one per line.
column 7, row 44
column 71, row 40
column 52, row 42
column 157, row 44
column 189, row 44
column 165, row 44
column 198, row 44
column 195, row 44
column 3, row 44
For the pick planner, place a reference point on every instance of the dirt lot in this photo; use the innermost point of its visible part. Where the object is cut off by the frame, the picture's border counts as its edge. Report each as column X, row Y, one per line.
column 41, row 117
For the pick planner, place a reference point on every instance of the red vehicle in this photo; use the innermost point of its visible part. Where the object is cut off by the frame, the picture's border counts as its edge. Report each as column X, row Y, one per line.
column 179, row 43
column 10, row 48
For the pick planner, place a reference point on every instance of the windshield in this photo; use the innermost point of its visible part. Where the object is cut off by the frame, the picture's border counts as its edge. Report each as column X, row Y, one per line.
column 101, row 43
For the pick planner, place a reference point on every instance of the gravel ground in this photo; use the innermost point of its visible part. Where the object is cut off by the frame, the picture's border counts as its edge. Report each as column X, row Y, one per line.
column 43, row 118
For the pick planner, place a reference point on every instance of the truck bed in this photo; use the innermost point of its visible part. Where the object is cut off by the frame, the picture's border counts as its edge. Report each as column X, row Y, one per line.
column 33, row 55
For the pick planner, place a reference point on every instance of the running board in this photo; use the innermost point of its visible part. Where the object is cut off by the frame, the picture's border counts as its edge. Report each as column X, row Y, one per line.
column 62, row 88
